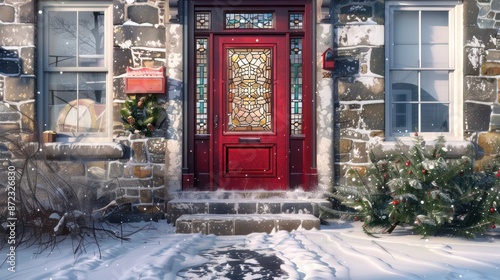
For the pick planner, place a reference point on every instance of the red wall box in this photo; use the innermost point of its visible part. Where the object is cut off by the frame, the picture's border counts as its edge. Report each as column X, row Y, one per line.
column 328, row 60
column 144, row 80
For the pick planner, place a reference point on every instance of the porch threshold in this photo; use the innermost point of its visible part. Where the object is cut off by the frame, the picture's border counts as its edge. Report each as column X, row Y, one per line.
column 243, row 224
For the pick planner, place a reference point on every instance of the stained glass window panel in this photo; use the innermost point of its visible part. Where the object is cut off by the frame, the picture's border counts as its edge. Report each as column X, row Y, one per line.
column 201, row 86
column 249, row 89
column 296, row 21
column 296, row 85
column 203, row 21
column 249, row 21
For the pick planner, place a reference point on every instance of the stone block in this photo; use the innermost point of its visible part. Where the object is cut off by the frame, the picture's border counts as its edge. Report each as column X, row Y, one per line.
column 489, row 143
column 28, row 116
column 19, row 35
column 139, row 152
column 482, row 89
column 199, row 227
column 297, row 208
column 122, row 58
column 346, row 67
column 373, row 116
column 472, row 60
column 142, row 171
column 8, row 114
column 477, row 116
column 345, row 146
column 146, row 196
column 360, row 88
column 355, row 12
column 490, row 68
column 27, row 13
column 27, row 60
column 7, row 13
column 311, row 224
column 118, row 12
column 221, row 208
column 9, row 66
column 377, row 61
column 247, row 208
column 268, row 208
column 143, row 14
column 288, row 225
column 475, row 36
column 115, row 170
column 183, row 227
column 364, row 35
column 359, row 153
column 222, row 227
column 156, row 145
column 245, row 227
column 140, row 36
column 199, row 208
column 349, row 118
column 19, row 89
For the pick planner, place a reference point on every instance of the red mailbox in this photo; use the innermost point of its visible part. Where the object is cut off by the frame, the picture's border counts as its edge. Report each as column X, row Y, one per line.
column 328, row 60
column 144, row 80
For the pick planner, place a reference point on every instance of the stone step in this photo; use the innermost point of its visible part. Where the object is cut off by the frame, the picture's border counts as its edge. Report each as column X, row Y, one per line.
column 244, row 206
column 243, row 224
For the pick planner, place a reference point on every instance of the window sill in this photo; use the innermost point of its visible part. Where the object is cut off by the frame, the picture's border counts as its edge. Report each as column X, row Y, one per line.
column 83, row 151
column 454, row 148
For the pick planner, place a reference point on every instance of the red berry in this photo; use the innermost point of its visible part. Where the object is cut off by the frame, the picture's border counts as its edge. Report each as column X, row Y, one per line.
column 356, row 218
column 498, row 173
column 493, row 226
column 492, row 210
column 410, row 172
column 424, row 171
column 395, row 202
column 407, row 163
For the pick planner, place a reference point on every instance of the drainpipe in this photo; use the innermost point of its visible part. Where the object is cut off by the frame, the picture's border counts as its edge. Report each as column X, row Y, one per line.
column 185, row 108
column 313, row 86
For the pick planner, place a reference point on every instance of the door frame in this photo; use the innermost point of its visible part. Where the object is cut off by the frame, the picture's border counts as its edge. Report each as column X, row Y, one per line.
column 275, row 176
column 197, row 162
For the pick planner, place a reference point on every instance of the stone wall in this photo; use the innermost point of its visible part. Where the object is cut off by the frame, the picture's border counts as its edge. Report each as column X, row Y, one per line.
column 358, row 80
column 17, row 68
column 132, row 167
column 482, row 78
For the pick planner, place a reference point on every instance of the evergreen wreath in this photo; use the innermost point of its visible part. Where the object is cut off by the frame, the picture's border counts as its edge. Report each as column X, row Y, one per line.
column 141, row 114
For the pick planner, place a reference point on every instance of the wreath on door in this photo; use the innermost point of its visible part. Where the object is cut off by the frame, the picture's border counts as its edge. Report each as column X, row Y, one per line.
column 141, row 114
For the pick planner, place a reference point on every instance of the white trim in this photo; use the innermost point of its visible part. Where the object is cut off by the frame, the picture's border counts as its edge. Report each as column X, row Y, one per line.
column 455, row 83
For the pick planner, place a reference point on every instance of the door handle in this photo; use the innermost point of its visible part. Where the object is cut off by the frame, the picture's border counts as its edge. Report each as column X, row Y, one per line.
column 216, row 121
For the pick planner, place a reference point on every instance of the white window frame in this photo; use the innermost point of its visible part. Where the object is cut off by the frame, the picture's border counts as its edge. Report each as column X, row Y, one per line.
column 44, row 69
column 455, row 118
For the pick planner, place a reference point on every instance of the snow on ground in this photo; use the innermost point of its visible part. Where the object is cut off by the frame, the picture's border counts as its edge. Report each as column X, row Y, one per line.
column 337, row 251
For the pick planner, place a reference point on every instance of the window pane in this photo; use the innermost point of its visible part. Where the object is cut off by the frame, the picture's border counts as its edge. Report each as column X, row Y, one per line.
column 436, row 118
column 404, row 117
column 405, row 39
column 62, row 39
column 435, row 39
column 405, row 83
column 77, row 102
column 434, row 86
column 91, row 38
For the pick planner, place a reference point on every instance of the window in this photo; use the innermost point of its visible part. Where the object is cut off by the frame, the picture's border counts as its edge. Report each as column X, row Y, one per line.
column 75, row 72
column 422, row 51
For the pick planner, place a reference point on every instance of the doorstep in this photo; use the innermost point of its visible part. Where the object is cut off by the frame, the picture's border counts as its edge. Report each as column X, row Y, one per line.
column 243, row 224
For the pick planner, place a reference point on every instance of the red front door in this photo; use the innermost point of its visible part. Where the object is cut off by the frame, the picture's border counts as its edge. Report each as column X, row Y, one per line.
column 250, row 112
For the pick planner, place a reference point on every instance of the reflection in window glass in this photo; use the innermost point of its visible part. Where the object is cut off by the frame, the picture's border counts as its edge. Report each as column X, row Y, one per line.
column 77, row 102
column 75, row 70
column 70, row 42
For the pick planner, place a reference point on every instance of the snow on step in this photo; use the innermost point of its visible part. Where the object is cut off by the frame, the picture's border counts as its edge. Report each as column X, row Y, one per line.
column 243, row 224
